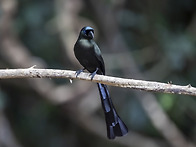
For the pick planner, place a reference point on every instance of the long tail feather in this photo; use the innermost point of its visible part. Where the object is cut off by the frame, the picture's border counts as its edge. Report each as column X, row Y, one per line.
column 115, row 126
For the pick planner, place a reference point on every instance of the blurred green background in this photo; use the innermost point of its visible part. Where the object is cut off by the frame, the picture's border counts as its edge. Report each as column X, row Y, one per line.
column 141, row 39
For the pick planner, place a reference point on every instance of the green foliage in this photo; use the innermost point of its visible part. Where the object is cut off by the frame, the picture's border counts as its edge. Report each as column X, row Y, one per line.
column 167, row 101
column 159, row 34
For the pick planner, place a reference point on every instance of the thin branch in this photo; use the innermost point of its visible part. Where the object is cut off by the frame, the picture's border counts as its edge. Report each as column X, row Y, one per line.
column 112, row 81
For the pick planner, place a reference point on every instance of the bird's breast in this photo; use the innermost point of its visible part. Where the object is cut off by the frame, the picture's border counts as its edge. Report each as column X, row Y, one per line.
column 86, row 44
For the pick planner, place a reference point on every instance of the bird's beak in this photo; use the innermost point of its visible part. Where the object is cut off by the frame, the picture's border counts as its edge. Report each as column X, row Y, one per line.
column 91, row 34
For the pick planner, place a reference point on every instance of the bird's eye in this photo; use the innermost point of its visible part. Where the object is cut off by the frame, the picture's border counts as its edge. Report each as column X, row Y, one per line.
column 84, row 31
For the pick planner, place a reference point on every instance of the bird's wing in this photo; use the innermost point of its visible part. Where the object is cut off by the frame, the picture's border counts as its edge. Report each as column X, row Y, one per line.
column 100, row 58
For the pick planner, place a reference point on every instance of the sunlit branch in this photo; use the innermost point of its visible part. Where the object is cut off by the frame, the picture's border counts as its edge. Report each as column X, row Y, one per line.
column 112, row 81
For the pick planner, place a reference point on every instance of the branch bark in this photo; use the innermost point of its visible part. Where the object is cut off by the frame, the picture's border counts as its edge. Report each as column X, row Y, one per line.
column 112, row 81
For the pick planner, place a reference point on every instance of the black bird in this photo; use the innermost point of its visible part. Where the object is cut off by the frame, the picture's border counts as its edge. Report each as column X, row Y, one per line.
column 89, row 55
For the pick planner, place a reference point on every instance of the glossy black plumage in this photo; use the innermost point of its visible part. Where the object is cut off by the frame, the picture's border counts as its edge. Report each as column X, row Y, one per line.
column 89, row 55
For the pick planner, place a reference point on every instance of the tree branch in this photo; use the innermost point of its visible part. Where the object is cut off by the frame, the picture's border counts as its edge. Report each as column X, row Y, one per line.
column 112, row 81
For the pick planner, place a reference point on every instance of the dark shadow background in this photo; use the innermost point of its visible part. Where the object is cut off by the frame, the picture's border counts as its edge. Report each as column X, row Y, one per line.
column 140, row 39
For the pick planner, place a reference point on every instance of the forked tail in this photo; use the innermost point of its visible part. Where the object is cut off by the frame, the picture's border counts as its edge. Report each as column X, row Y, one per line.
column 115, row 126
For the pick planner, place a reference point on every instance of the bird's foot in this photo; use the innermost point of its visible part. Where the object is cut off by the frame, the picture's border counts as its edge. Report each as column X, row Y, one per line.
column 79, row 71
column 94, row 73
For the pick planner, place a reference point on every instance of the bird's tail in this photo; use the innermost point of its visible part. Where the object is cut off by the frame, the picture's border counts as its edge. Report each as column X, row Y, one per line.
column 115, row 126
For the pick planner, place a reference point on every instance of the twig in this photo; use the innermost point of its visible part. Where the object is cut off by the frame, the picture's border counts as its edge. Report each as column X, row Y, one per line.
column 113, row 81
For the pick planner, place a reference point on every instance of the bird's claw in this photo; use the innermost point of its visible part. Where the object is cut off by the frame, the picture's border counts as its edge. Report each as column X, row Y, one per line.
column 79, row 71
column 94, row 73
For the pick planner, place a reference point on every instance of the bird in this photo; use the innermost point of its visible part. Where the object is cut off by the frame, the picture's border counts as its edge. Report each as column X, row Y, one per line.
column 89, row 56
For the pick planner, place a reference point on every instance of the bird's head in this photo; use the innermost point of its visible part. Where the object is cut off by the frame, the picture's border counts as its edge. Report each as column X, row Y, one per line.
column 87, row 33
